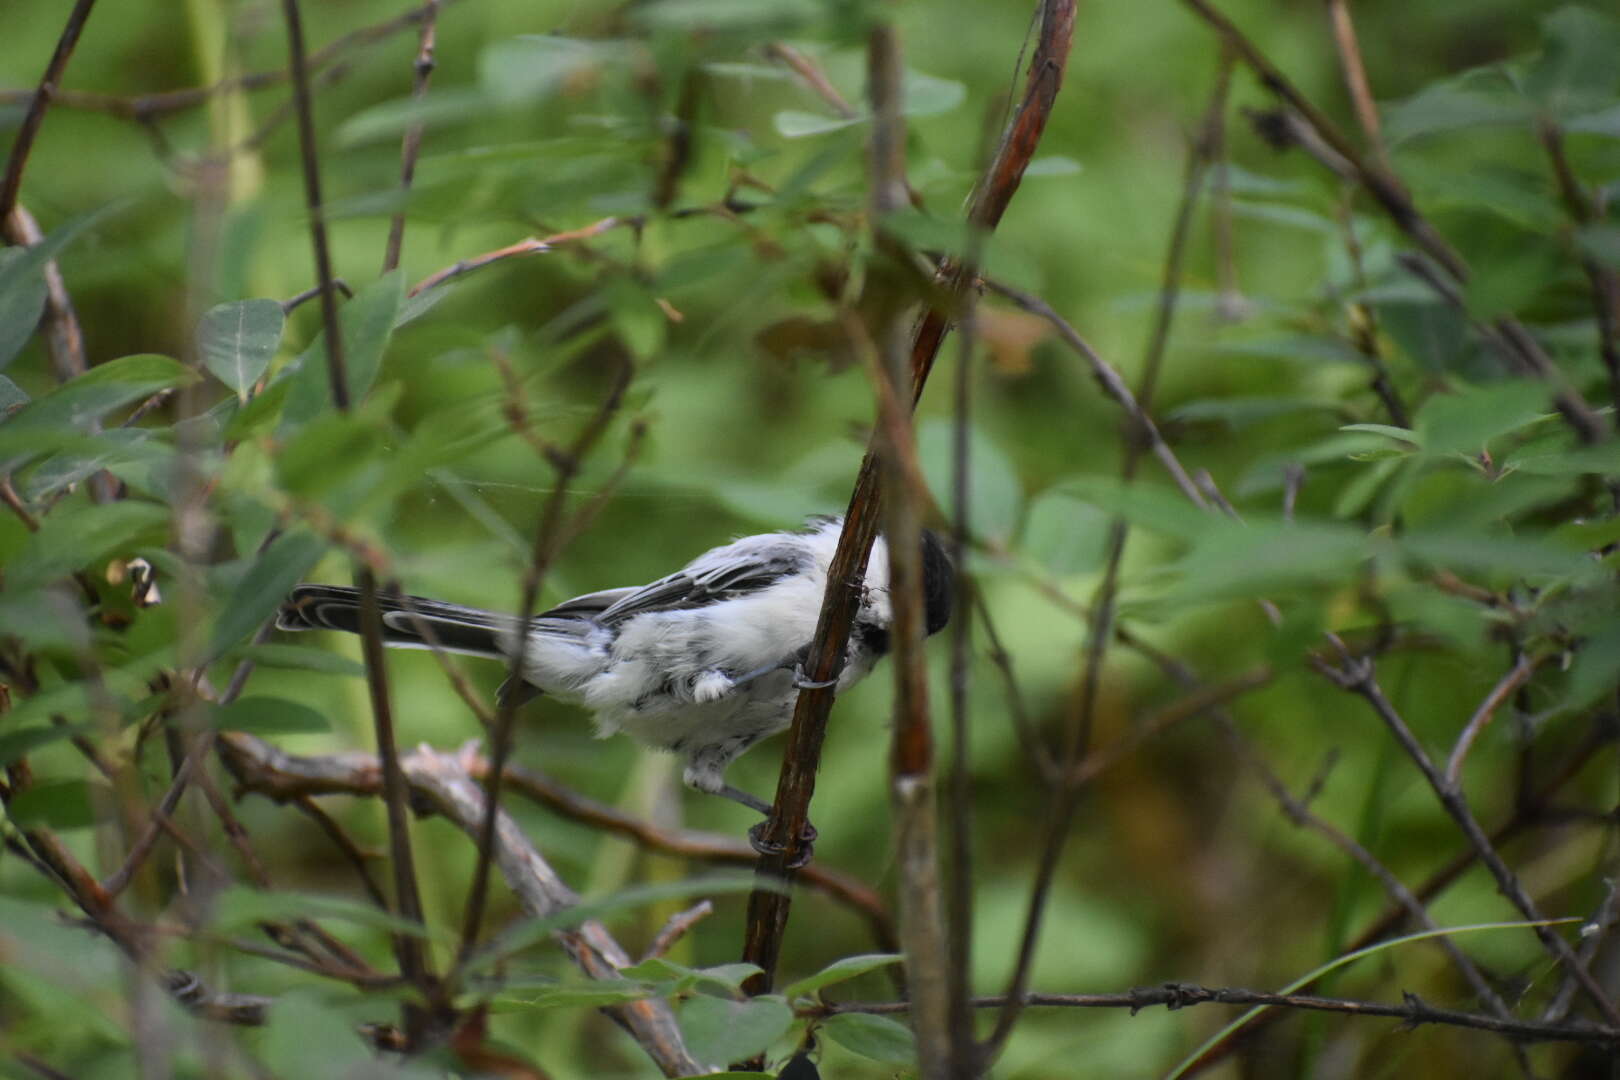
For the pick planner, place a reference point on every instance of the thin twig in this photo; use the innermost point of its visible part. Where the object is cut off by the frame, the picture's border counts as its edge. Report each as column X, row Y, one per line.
column 1413, row 1012
column 64, row 340
column 147, row 107
column 677, row 927
column 816, row 79
column 28, row 130
column 1355, row 77
column 1516, row 677
column 411, row 145
column 531, row 246
column 1112, row 383
column 1357, row 675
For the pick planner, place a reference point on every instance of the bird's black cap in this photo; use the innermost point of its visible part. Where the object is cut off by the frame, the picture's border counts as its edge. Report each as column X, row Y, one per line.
column 938, row 582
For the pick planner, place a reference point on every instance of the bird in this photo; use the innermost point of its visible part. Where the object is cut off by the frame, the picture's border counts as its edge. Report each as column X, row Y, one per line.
column 704, row 662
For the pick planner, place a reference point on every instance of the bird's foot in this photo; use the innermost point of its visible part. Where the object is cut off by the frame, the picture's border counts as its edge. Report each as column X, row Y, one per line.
column 802, row 853
column 804, row 682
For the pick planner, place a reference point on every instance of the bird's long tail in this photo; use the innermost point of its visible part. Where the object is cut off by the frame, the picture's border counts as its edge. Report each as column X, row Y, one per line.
column 408, row 622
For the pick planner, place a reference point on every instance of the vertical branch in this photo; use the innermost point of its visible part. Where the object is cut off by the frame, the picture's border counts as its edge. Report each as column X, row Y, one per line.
column 335, row 366
column 409, row 948
column 1604, row 281
column 412, row 144
column 11, row 183
column 413, row 962
column 911, row 762
column 768, row 907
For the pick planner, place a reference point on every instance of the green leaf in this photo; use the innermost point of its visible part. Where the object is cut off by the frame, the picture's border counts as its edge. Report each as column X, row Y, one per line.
column 532, row 67
column 588, row 996
column 1433, row 334
column 111, row 450
column 265, row 586
column 60, row 804
column 22, row 282
column 391, row 118
column 719, row 1030
column 1600, row 242
column 1151, row 506
column 299, row 658
column 1603, row 459
column 1472, row 100
column 12, row 397
column 1065, row 534
column 1240, row 412
column 1473, row 550
column 79, row 535
column 1466, row 421
column 18, row 744
column 1053, row 165
column 797, row 124
column 238, row 340
column 85, row 399
column 994, row 491
column 270, row 716
column 367, row 322
column 1576, row 71
column 1241, row 559
column 22, row 301
column 875, row 1037
column 840, row 970
column 927, row 95
column 1597, row 671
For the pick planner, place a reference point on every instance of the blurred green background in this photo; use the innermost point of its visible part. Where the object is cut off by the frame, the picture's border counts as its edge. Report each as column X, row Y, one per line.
column 1180, row 868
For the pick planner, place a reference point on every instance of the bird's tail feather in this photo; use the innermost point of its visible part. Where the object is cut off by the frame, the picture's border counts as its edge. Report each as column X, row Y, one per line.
column 409, row 622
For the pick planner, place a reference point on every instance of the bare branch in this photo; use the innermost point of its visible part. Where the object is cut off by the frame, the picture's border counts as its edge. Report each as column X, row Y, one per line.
column 28, row 130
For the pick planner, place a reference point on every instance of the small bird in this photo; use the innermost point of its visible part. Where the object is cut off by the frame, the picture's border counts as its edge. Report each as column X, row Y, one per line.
column 703, row 663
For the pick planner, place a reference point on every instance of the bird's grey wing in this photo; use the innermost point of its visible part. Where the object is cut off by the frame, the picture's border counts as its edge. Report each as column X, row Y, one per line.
column 588, row 606
column 704, row 582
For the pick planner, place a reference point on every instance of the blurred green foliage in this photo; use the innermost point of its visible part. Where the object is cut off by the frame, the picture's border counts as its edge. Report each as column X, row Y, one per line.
column 724, row 299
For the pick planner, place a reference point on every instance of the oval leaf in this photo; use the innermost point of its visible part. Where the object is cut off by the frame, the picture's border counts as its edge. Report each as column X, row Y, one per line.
column 876, row 1037
column 270, row 716
column 719, row 1031
column 237, row 341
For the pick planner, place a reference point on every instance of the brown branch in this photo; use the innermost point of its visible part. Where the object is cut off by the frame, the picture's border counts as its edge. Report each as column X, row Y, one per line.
column 812, row 75
column 1516, row 677
column 1113, row 385
column 28, row 130
column 312, row 202
column 1380, row 184
column 531, row 246
column 64, row 341
column 411, row 145
column 1355, row 77
column 1605, row 282
column 677, row 927
column 1357, row 675
column 1528, row 811
column 768, row 908
column 148, row 107
column 447, row 782
column 1414, row 1011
